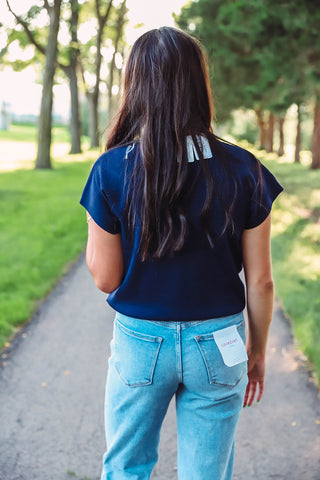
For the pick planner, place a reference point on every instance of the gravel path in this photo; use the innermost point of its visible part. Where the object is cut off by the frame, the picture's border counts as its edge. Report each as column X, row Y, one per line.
column 52, row 386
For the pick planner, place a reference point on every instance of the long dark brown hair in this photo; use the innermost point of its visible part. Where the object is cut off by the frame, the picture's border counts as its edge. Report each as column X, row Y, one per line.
column 166, row 98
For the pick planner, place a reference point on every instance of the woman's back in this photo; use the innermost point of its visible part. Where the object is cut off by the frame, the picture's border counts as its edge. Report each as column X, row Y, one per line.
column 199, row 281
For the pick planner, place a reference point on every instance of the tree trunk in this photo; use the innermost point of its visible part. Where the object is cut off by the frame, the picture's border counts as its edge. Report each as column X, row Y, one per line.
column 93, row 94
column 119, row 31
column 262, row 128
column 315, row 164
column 270, row 133
column 93, row 97
column 281, row 137
column 121, row 69
column 298, row 136
column 4, row 116
column 110, row 84
column 71, row 71
column 45, row 120
column 93, row 118
column 75, row 124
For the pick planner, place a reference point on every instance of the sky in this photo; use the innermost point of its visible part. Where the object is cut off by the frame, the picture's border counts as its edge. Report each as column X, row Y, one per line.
column 22, row 92
column 153, row 13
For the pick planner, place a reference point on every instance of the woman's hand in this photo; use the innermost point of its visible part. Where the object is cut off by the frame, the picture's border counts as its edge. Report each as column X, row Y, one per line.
column 256, row 372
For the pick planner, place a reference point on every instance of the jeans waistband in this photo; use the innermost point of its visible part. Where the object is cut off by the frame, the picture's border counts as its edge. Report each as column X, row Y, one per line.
column 227, row 320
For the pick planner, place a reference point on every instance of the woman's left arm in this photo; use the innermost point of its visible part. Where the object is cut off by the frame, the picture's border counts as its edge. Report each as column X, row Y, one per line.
column 104, row 257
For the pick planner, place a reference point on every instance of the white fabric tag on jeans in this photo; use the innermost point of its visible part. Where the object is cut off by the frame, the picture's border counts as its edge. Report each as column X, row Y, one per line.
column 231, row 346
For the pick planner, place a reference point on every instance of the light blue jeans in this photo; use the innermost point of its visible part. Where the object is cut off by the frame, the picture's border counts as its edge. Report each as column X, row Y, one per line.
column 152, row 361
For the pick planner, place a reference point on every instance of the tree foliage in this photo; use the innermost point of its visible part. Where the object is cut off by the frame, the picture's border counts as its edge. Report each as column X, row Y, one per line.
column 248, row 45
column 97, row 57
column 265, row 53
column 103, row 20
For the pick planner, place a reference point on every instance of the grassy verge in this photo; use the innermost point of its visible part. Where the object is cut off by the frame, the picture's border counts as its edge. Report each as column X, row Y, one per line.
column 296, row 250
column 42, row 229
column 28, row 133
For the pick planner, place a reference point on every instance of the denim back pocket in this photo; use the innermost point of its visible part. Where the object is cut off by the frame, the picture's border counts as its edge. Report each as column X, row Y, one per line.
column 218, row 372
column 135, row 355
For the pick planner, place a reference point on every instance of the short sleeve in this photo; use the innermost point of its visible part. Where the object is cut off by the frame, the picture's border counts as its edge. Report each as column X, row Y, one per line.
column 264, row 189
column 94, row 199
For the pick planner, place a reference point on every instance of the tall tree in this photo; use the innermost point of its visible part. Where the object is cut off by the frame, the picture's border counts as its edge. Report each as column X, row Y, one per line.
column 43, row 159
column 67, row 61
column 119, row 25
column 302, row 22
column 70, row 69
column 234, row 33
column 256, row 64
column 92, row 93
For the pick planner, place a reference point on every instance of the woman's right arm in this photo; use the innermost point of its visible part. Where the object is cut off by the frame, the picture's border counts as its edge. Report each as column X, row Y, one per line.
column 259, row 283
column 104, row 257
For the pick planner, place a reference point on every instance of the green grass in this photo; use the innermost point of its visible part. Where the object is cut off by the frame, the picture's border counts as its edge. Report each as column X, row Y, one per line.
column 42, row 230
column 296, row 250
column 29, row 133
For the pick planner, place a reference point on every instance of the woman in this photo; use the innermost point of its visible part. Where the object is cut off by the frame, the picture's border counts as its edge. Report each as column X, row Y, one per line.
column 174, row 214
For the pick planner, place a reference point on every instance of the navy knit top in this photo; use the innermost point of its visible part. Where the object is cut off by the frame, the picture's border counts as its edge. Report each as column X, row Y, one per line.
column 198, row 282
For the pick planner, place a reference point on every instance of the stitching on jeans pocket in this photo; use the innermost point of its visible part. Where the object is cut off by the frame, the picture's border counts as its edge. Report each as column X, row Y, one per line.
column 218, row 372
column 135, row 355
